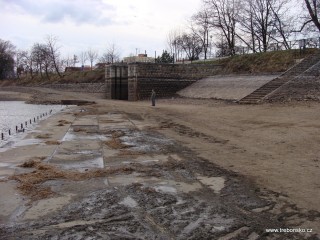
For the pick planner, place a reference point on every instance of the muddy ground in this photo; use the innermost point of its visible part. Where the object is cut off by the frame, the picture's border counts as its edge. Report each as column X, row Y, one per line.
column 186, row 169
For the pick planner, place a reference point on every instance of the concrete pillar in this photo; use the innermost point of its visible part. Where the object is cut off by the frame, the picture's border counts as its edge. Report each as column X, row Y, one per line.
column 132, row 82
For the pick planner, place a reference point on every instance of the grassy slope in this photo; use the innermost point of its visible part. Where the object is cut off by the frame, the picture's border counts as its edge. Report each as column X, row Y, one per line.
column 269, row 62
column 96, row 75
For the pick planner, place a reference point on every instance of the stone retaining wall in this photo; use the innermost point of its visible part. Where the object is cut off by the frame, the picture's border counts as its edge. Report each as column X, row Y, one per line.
column 165, row 79
column 79, row 87
column 173, row 71
column 162, row 87
column 299, row 89
column 305, row 86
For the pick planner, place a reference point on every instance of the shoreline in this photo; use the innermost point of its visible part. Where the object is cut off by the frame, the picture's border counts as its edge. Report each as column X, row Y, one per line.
column 44, row 96
column 14, row 96
column 15, row 127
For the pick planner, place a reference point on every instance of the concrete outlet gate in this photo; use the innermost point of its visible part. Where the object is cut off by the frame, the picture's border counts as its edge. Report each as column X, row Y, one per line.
column 135, row 81
column 117, row 82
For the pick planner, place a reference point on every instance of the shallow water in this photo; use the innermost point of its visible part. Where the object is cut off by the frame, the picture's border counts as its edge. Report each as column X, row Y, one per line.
column 15, row 113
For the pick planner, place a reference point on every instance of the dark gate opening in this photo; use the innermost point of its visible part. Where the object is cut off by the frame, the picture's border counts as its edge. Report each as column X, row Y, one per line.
column 120, row 86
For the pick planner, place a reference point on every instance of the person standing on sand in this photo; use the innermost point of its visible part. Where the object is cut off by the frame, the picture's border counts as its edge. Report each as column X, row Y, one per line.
column 153, row 97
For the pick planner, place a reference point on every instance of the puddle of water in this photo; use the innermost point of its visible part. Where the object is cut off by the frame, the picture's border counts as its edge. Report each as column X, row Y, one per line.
column 27, row 142
column 180, row 200
column 5, row 164
column 129, row 202
column 71, row 137
column 218, row 228
column 111, row 116
column 166, row 189
column 85, row 152
column 220, row 223
column 150, row 161
column 259, row 210
column 215, row 183
column 131, row 178
column 193, row 225
column 186, row 187
column 145, row 142
column 128, row 159
column 182, row 186
column 20, row 143
column 83, row 165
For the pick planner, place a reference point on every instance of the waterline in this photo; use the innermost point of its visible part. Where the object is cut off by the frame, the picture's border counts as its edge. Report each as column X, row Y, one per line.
column 17, row 115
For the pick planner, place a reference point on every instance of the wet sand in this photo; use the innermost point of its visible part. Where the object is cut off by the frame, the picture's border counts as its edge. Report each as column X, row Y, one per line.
column 184, row 169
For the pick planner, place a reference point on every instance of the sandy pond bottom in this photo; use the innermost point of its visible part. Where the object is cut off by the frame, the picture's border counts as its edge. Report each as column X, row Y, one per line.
column 111, row 179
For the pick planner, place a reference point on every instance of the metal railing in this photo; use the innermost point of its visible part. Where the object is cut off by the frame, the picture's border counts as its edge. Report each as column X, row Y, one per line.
column 299, row 44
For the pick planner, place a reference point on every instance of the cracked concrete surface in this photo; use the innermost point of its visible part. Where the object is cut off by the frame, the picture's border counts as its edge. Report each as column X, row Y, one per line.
column 153, row 188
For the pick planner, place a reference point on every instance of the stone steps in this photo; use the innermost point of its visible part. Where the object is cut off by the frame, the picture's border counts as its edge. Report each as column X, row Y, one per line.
column 260, row 93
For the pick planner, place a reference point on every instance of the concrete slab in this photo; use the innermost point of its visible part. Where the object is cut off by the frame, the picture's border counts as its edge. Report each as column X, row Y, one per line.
column 135, row 158
column 10, row 200
column 230, row 87
column 78, row 146
column 86, row 120
column 46, row 206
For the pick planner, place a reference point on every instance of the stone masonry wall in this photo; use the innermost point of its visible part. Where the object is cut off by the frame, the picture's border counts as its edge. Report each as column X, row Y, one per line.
column 79, row 87
column 306, row 86
column 174, row 71
column 165, row 79
column 299, row 89
column 162, row 87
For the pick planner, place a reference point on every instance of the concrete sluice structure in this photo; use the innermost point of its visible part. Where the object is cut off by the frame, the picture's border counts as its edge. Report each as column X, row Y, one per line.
column 135, row 81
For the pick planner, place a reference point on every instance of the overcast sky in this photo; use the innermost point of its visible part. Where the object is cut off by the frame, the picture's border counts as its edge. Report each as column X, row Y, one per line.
column 80, row 24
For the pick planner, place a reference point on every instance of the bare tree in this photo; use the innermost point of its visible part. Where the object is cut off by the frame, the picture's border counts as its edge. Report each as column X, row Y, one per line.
column 223, row 15
column 172, row 37
column 312, row 16
column 283, row 22
column 222, row 46
column 41, row 58
column 200, row 27
column 191, row 44
column 92, row 56
column 69, row 61
column 53, row 51
column 246, row 27
column 28, row 63
column 7, row 53
column 20, row 63
column 75, row 60
column 111, row 55
column 263, row 22
column 83, row 58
